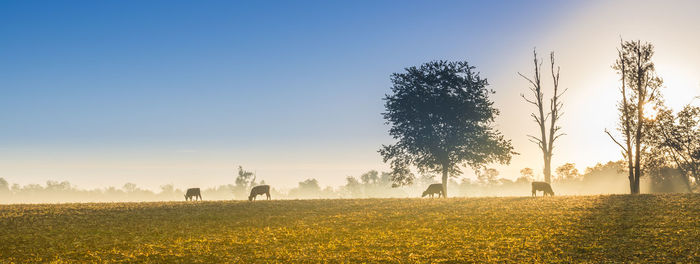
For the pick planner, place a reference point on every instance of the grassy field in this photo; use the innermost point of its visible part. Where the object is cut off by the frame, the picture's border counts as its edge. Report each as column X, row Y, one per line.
column 618, row 228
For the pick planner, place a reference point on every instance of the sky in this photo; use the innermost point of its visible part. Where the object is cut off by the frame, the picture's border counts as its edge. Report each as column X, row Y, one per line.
column 100, row 93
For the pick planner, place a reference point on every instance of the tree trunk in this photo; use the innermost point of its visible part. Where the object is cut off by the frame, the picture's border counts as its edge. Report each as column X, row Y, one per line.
column 630, row 166
column 631, row 178
column 638, row 142
column 445, row 173
column 638, row 157
column 548, row 169
column 686, row 181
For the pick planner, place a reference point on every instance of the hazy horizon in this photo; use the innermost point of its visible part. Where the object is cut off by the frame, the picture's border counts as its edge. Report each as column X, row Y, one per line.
column 104, row 93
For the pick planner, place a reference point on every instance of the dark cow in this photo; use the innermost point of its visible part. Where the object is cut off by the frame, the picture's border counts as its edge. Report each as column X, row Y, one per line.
column 259, row 190
column 435, row 188
column 193, row 192
column 542, row 186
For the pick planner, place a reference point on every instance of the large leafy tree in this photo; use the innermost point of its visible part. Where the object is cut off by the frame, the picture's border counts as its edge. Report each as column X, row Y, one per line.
column 441, row 116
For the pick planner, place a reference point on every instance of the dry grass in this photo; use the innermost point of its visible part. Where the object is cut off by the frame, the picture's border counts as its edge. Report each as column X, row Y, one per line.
column 619, row 228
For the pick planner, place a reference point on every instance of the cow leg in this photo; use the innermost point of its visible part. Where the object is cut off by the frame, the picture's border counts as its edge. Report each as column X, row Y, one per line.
column 268, row 195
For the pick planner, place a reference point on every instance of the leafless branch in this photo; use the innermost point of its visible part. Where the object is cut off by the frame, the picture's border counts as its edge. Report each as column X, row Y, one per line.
column 624, row 150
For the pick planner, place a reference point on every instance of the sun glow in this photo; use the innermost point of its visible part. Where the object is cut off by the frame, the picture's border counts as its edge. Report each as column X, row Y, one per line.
column 680, row 82
column 649, row 112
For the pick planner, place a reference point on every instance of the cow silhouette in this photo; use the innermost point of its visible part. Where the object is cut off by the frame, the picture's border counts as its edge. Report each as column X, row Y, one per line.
column 193, row 192
column 259, row 190
column 433, row 189
column 542, row 186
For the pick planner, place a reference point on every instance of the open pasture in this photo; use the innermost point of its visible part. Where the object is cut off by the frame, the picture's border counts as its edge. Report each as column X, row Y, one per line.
column 617, row 228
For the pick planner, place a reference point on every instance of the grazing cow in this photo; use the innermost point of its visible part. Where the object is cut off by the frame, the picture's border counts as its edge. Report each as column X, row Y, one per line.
column 542, row 186
column 435, row 188
column 259, row 190
column 193, row 192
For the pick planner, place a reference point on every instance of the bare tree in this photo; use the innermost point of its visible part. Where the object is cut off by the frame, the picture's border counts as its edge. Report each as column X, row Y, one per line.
column 545, row 141
column 638, row 73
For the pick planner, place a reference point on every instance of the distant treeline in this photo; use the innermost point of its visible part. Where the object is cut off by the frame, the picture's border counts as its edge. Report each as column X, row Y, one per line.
column 601, row 179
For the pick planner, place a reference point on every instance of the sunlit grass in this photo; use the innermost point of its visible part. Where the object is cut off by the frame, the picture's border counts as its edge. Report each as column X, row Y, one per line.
column 623, row 228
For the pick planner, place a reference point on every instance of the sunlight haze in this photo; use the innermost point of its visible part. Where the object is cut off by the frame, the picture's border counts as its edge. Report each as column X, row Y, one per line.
column 105, row 93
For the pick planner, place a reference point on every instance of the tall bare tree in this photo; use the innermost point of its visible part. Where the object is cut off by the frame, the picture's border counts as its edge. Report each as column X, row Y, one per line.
column 546, row 140
column 640, row 86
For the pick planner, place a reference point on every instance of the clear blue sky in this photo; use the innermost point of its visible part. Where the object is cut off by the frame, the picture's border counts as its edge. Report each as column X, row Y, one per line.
column 182, row 92
column 168, row 72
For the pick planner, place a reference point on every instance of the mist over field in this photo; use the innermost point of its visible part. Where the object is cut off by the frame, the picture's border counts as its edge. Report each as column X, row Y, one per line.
column 602, row 179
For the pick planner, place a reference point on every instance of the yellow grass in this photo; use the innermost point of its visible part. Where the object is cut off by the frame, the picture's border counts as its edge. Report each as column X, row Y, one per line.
column 619, row 228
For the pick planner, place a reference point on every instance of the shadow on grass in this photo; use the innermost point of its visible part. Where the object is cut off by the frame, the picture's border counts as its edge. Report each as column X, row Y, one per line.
column 639, row 228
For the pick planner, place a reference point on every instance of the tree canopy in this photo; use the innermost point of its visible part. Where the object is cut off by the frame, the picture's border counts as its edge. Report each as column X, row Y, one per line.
column 441, row 116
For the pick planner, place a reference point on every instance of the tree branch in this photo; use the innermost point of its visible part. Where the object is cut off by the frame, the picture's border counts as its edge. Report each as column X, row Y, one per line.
column 624, row 150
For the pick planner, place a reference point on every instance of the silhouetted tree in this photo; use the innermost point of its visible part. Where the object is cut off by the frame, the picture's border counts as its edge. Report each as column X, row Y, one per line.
column 601, row 172
column 488, row 176
column 370, row 184
column 4, row 186
column 169, row 192
column 130, row 187
column 441, row 116
column 505, row 182
column 60, row 186
column 245, row 180
column 526, row 175
column 426, row 179
column 370, row 177
column 568, row 172
column 545, row 141
column 675, row 143
column 306, row 188
column 640, row 86
column 353, row 187
column 309, row 184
